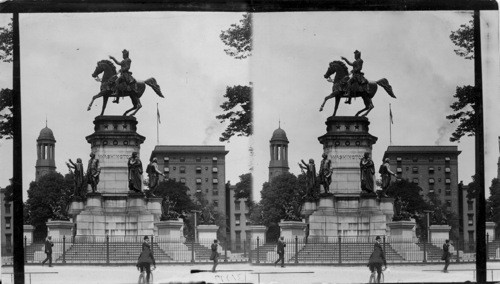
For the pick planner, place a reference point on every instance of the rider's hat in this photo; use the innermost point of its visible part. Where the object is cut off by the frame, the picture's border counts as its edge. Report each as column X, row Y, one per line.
column 357, row 51
column 125, row 51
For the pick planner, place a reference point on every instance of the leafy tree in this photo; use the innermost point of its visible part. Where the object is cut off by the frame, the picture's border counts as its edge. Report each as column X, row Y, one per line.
column 281, row 198
column 243, row 188
column 464, row 39
column 8, row 193
column 238, row 111
column 238, row 38
column 6, row 104
column 6, row 43
column 48, row 198
column 466, row 108
column 177, row 194
column 494, row 202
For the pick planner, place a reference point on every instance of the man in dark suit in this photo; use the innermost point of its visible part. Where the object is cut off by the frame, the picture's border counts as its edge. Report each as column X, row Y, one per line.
column 48, row 251
column 377, row 258
column 281, row 252
column 446, row 255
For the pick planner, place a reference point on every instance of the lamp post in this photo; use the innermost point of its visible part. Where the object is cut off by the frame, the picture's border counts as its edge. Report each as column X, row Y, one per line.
column 195, row 230
column 428, row 224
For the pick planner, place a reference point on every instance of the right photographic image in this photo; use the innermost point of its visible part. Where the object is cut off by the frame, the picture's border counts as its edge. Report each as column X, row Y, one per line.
column 365, row 149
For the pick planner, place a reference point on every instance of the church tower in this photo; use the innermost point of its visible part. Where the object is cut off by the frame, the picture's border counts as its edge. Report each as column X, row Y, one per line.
column 279, row 153
column 46, row 150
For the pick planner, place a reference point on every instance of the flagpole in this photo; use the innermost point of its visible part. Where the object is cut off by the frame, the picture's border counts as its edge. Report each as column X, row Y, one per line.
column 390, row 125
column 157, row 131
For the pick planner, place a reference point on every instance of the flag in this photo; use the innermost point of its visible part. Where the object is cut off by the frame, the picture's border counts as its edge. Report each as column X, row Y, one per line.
column 390, row 114
column 158, row 114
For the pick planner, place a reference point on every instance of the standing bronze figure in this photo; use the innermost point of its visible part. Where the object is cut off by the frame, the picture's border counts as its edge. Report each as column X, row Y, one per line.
column 325, row 173
column 135, row 173
column 153, row 176
column 367, row 172
column 310, row 175
column 111, row 84
column 78, row 175
column 386, row 173
column 93, row 172
column 357, row 86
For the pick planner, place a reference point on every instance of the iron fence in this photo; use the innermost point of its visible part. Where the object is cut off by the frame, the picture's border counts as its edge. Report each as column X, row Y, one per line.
column 312, row 250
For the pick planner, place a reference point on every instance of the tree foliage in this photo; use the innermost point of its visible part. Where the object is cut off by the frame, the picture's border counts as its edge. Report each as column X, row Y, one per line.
column 243, row 188
column 466, row 112
column 6, row 43
column 238, row 111
column 282, row 198
column 177, row 194
column 466, row 108
column 238, row 38
column 494, row 202
column 463, row 38
column 48, row 198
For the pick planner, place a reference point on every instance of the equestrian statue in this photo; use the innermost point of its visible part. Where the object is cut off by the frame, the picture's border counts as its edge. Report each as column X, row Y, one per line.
column 355, row 86
column 124, row 85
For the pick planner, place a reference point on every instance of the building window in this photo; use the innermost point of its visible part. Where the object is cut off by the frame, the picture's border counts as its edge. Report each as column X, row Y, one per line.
column 166, row 159
column 399, row 170
column 447, row 192
column 439, row 168
column 206, row 168
column 166, row 170
column 414, row 169
column 237, row 219
column 415, row 180
column 415, row 159
column 431, row 170
column 174, row 168
column 182, row 159
column 448, row 203
column 399, row 159
column 216, row 203
column 447, row 170
column 7, row 222
column 238, row 236
column 431, row 190
column 439, row 191
column 198, row 170
column 471, row 236
column 448, row 181
column 431, row 159
column 214, row 159
column 8, row 240
column 237, row 205
column 198, row 181
column 470, row 205
column 431, row 181
column 7, row 208
column 215, row 180
column 247, row 219
column 183, row 180
column 447, row 159
column 182, row 170
column 215, row 170
column 215, row 191
column 198, row 159
column 206, row 179
column 470, row 219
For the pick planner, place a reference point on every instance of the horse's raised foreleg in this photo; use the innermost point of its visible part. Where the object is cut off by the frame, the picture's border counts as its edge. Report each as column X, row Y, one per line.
column 326, row 99
column 94, row 98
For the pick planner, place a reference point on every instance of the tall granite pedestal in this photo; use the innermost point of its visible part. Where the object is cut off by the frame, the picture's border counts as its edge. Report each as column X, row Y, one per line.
column 114, row 210
column 347, row 212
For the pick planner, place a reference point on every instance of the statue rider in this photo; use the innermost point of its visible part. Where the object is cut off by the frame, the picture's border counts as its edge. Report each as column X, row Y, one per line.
column 125, row 75
column 357, row 79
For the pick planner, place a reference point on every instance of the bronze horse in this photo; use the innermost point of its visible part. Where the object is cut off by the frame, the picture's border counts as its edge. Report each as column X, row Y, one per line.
column 340, row 86
column 108, row 86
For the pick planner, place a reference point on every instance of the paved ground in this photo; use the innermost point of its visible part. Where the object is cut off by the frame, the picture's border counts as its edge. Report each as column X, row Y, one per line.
column 182, row 274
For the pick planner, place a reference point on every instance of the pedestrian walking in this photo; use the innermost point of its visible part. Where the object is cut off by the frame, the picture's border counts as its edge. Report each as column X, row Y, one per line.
column 48, row 251
column 146, row 258
column 281, row 251
column 446, row 255
column 377, row 258
column 215, row 254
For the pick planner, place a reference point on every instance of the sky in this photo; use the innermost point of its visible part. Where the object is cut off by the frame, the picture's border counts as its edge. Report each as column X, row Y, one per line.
column 182, row 51
column 411, row 49
column 291, row 53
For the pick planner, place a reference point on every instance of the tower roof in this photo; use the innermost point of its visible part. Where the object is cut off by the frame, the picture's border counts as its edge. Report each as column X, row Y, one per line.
column 46, row 134
column 279, row 135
